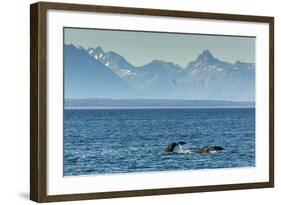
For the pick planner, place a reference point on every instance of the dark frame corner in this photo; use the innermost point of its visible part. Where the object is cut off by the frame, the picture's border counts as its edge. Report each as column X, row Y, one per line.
column 38, row 173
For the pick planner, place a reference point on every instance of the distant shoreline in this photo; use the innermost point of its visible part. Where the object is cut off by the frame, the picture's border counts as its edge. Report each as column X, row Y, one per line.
column 99, row 103
column 127, row 108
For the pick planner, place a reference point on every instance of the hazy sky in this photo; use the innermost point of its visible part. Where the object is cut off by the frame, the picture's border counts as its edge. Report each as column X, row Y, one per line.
column 140, row 48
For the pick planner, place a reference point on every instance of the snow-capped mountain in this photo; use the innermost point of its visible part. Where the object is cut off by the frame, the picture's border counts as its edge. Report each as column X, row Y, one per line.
column 210, row 78
column 205, row 78
column 110, row 59
column 160, row 79
column 148, row 79
column 117, row 63
column 86, row 77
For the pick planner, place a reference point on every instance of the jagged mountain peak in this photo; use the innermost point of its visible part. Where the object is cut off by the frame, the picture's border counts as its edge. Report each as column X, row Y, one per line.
column 110, row 59
column 85, row 76
column 163, row 63
column 99, row 49
column 156, row 62
column 206, row 56
column 238, row 62
column 96, row 52
column 112, row 54
column 206, row 52
column 244, row 65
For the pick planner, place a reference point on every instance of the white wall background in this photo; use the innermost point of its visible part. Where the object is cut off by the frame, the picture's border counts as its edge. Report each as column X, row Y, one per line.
column 14, row 102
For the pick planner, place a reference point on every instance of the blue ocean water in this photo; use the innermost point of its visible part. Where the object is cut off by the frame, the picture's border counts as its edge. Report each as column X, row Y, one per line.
column 107, row 141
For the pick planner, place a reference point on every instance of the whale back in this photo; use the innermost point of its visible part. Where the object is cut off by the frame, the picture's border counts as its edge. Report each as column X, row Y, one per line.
column 218, row 148
column 210, row 149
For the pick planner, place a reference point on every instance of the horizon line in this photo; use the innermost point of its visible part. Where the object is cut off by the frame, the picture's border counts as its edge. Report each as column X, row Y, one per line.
column 172, row 107
column 97, row 98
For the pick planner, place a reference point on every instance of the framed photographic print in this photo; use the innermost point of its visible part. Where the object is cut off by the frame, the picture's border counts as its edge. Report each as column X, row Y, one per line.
column 134, row 102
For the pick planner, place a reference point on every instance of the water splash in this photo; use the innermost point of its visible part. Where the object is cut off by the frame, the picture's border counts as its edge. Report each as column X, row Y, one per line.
column 183, row 150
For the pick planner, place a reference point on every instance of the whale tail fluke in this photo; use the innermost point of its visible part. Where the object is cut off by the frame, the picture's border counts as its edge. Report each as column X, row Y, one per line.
column 208, row 149
column 170, row 147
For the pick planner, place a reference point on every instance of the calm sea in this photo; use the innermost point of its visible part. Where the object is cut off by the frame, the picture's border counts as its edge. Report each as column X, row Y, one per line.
column 106, row 141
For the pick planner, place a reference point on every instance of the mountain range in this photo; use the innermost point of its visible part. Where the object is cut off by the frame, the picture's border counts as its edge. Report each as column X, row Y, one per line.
column 94, row 73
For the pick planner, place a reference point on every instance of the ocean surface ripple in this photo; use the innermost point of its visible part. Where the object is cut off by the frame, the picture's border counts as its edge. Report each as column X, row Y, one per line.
column 107, row 141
